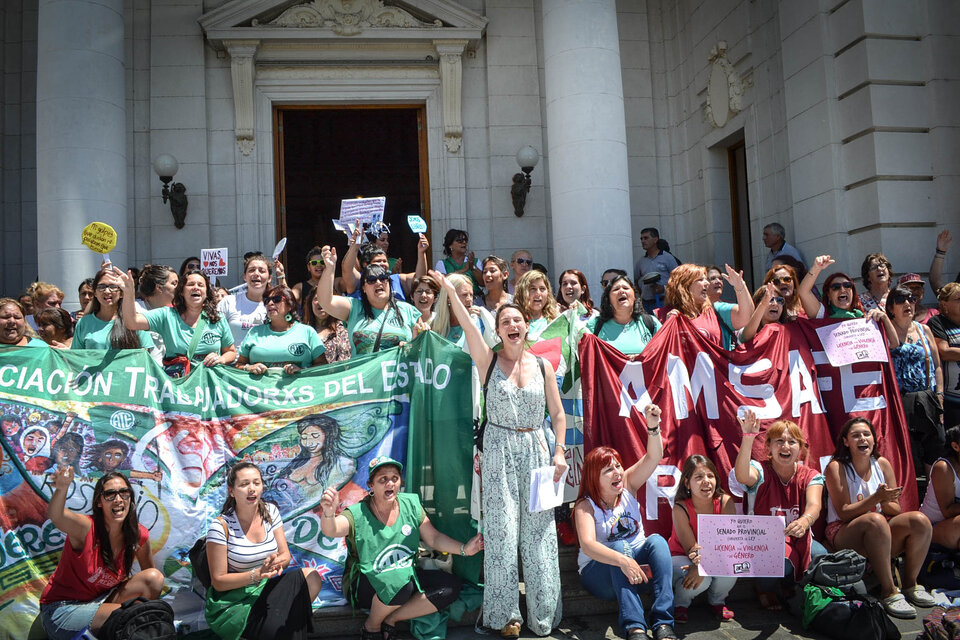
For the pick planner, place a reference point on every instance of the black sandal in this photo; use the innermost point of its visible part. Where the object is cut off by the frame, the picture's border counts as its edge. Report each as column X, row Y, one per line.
column 370, row 635
column 390, row 632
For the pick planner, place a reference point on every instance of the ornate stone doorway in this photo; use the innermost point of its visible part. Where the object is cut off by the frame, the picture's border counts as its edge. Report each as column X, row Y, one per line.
column 328, row 153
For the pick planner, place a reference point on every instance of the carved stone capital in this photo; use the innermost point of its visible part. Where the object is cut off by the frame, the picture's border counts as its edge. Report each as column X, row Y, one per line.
column 450, row 53
column 242, row 72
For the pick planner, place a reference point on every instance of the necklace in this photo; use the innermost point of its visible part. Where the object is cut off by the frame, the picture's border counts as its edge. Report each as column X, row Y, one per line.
column 379, row 516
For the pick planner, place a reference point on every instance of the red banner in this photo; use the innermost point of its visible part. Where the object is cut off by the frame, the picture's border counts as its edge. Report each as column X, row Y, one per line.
column 782, row 373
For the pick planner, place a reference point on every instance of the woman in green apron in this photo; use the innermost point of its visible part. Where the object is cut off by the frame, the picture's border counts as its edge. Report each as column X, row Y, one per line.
column 251, row 594
column 383, row 534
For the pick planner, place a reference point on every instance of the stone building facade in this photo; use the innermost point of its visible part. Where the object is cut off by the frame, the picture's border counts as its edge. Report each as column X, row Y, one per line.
column 705, row 118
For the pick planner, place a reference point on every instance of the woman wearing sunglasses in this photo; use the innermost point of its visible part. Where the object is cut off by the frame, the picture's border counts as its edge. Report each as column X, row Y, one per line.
column 93, row 576
column 458, row 260
column 770, row 310
column 315, row 269
column 376, row 320
column 785, row 279
column 283, row 341
column 839, row 293
column 99, row 328
column 916, row 363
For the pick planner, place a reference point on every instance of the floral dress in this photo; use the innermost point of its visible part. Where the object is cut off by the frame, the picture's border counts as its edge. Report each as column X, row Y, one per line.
column 513, row 445
column 337, row 344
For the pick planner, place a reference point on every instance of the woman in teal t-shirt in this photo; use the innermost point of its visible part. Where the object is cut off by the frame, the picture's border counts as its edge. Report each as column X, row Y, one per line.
column 375, row 321
column 194, row 309
column 622, row 322
column 283, row 341
column 99, row 329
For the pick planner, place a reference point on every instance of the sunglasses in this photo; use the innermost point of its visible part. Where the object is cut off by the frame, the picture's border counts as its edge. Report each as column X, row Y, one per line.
column 836, row 286
column 778, row 300
column 314, row 263
column 781, row 280
column 524, row 261
column 460, row 239
column 604, row 283
column 910, row 299
column 277, row 299
column 383, row 277
column 107, row 287
column 111, row 494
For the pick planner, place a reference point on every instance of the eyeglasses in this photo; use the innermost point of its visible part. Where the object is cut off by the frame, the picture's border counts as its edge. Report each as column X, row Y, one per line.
column 107, row 287
column 383, row 277
column 778, row 300
column 314, row 263
column 781, row 280
column 876, row 266
column 524, row 261
column 422, row 292
column 836, row 286
column 277, row 299
column 111, row 494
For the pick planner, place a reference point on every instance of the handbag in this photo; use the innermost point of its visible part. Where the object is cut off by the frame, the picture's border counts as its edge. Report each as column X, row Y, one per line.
column 179, row 366
column 840, row 570
column 140, row 619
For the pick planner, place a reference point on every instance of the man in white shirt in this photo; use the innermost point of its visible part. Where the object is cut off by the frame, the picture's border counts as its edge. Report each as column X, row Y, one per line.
column 773, row 239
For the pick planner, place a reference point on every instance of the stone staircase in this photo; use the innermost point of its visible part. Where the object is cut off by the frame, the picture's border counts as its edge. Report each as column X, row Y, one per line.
column 340, row 622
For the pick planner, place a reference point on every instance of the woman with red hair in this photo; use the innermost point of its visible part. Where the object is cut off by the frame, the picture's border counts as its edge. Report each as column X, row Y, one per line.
column 617, row 561
column 686, row 294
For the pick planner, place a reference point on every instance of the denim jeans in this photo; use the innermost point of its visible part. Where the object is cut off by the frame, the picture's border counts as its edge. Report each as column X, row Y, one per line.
column 770, row 584
column 607, row 582
column 717, row 588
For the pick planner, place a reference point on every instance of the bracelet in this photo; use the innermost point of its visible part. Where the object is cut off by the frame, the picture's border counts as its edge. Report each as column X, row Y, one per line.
column 252, row 579
column 808, row 517
column 462, row 551
column 941, row 253
column 331, row 516
column 939, row 256
column 653, row 432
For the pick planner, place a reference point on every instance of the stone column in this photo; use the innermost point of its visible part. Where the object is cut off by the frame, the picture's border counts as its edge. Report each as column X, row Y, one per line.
column 81, row 139
column 587, row 140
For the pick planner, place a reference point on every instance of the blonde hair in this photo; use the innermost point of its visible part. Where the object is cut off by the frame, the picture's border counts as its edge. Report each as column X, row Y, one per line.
column 43, row 290
column 521, row 296
column 780, row 427
column 441, row 315
column 678, row 289
column 945, row 293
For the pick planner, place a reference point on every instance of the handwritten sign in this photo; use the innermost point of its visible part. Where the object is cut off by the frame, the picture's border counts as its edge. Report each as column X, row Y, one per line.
column 853, row 341
column 417, row 224
column 99, row 236
column 362, row 210
column 733, row 545
column 213, row 262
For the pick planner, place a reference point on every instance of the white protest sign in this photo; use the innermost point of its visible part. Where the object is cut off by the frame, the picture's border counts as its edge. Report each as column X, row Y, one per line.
column 417, row 224
column 732, row 545
column 853, row 341
column 213, row 262
column 362, row 210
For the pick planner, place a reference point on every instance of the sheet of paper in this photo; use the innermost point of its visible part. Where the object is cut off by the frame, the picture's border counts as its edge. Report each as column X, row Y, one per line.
column 544, row 492
column 741, row 546
column 853, row 341
column 362, row 210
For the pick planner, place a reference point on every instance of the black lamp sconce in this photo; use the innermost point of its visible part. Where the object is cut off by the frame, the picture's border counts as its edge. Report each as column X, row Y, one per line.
column 527, row 158
column 165, row 165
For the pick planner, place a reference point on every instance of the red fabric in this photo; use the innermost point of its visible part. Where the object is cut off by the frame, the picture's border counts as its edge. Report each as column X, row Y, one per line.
column 781, row 365
column 776, row 499
column 708, row 325
column 676, row 549
column 82, row 576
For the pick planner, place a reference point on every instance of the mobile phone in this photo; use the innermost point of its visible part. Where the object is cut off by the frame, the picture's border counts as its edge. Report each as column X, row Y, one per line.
column 647, row 571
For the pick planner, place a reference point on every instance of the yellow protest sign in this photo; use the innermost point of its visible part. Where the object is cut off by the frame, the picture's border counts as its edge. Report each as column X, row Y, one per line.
column 99, row 236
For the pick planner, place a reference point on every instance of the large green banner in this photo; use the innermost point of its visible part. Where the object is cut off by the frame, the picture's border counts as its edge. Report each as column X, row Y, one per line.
column 100, row 411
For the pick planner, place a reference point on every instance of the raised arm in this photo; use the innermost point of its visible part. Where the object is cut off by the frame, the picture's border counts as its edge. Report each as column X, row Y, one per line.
column 72, row 524
column 742, row 311
column 745, row 474
column 406, row 279
column 479, row 351
column 332, row 525
column 756, row 318
column 944, row 240
column 642, row 469
column 811, row 306
column 337, row 306
column 128, row 309
column 350, row 275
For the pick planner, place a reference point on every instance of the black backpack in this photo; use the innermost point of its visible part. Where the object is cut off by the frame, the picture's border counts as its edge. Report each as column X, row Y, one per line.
column 854, row 617
column 198, row 558
column 842, row 569
column 140, row 619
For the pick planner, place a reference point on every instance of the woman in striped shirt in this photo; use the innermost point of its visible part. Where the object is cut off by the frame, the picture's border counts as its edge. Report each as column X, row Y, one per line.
column 251, row 594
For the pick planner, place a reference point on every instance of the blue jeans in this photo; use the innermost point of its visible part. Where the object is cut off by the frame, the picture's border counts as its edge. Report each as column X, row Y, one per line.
column 607, row 582
column 717, row 588
column 770, row 584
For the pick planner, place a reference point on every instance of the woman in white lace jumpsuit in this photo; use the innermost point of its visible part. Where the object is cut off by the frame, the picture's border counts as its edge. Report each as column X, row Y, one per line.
column 514, row 444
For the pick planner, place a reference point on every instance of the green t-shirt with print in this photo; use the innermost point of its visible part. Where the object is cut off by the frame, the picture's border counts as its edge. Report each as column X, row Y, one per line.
column 363, row 331
column 177, row 334
column 94, row 333
column 299, row 345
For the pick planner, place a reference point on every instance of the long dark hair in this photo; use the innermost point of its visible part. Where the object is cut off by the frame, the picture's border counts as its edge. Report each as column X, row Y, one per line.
column 449, row 237
column 329, row 453
column 58, row 317
column 230, row 504
column 842, row 453
column 310, row 319
column 130, row 527
column 209, row 302
column 584, row 290
column 606, row 307
column 377, row 270
column 952, row 435
column 153, row 276
column 120, row 336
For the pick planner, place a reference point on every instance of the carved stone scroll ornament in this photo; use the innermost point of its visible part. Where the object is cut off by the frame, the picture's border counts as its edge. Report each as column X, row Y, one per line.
column 451, row 83
column 348, row 17
column 242, row 72
column 724, row 88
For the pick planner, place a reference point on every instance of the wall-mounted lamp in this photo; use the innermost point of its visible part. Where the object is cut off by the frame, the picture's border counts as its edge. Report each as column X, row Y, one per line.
column 527, row 158
column 166, row 167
